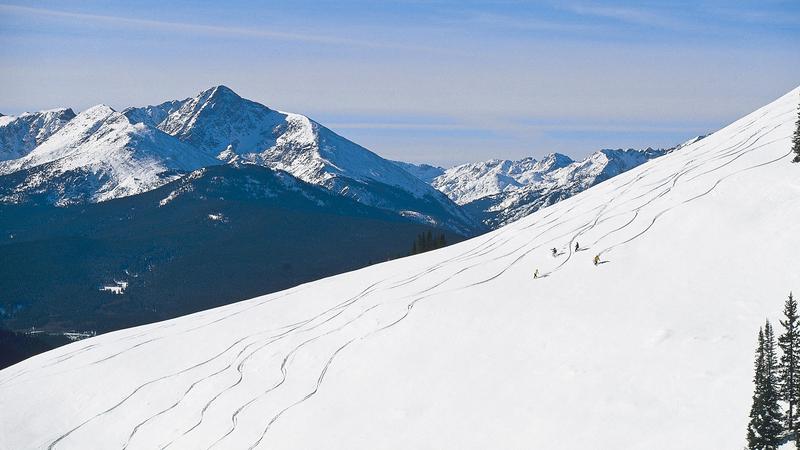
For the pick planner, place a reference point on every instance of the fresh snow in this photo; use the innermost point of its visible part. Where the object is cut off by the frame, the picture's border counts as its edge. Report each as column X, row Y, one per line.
column 234, row 129
column 102, row 154
column 499, row 192
column 222, row 123
column 424, row 172
column 469, row 182
column 123, row 158
column 461, row 347
column 19, row 135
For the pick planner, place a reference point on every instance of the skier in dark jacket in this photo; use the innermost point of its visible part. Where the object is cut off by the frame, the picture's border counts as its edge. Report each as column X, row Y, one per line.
column 555, row 252
column 576, row 246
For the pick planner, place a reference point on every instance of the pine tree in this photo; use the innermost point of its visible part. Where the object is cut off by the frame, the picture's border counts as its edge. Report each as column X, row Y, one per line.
column 764, row 431
column 772, row 425
column 796, row 139
column 754, row 440
column 789, row 369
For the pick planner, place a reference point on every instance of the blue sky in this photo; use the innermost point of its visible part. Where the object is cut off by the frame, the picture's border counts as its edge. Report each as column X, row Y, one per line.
column 436, row 81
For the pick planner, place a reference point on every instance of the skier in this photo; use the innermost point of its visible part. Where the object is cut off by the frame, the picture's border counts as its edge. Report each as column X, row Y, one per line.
column 536, row 274
column 555, row 252
column 576, row 246
column 596, row 259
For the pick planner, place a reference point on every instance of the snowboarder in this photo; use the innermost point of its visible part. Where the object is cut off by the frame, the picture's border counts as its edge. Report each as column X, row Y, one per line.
column 576, row 246
column 555, row 252
column 536, row 274
column 596, row 259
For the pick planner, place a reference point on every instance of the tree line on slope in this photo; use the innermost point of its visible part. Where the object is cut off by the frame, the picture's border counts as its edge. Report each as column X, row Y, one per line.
column 796, row 139
column 426, row 242
column 774, row 415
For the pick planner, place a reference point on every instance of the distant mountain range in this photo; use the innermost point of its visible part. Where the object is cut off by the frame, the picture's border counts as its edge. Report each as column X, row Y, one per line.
column 57, row 157
column 499, row 191
column 102, row 154
column 22, row 134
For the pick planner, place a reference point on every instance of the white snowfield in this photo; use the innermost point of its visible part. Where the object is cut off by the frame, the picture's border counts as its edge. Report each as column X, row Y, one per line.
column 461, row 348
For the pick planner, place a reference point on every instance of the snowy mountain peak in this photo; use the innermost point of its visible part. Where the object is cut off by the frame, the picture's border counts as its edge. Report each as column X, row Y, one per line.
column 469, row 182
column 142, row 148
column 555, row 160
column 220, row 122
column 220, row 92
column 424, row 172
column 553, row 179
column 98, row 155
column 21, row 134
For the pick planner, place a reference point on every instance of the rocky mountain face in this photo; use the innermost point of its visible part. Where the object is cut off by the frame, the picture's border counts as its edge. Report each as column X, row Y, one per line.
column 98, row 155
column 515, row 197
column 424, row 172
column 469, row 182
column 21, row 134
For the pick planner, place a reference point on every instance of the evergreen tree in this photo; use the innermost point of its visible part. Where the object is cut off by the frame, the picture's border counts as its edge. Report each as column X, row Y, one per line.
column 421, row 243
column 789, row 369
column 754, row 440
column 773, row 418
column 796, row 139
column 764, row 431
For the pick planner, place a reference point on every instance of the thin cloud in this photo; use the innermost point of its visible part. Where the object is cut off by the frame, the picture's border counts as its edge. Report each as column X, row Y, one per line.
column 198, row 28
column 526, row 23
column 632, row 16
column 398, row 126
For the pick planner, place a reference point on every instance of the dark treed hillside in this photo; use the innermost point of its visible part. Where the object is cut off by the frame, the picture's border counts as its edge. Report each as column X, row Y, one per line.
column 228, row 234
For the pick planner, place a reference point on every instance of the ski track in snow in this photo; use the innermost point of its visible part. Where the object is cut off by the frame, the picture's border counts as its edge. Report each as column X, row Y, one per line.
column 609, row 219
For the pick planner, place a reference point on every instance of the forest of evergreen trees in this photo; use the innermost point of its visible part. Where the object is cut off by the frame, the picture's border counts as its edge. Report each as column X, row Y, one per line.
column 427, row 241
column 776, row 398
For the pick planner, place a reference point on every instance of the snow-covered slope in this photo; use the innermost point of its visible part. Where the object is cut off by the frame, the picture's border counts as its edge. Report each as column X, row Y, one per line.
column 546, row 182
column 96, row 156
column 469, row 182
column 219, row 121
column 461, row 347
column 19, row 135
column 424, row 172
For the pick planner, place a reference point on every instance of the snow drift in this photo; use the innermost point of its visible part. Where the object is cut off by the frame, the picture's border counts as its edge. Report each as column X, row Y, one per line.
column 461, row 347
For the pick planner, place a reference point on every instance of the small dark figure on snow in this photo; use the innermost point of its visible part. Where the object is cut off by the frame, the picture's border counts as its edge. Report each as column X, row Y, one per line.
column 555, row 252
column 577, row 246
column 596, row 259
column 536, row 274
